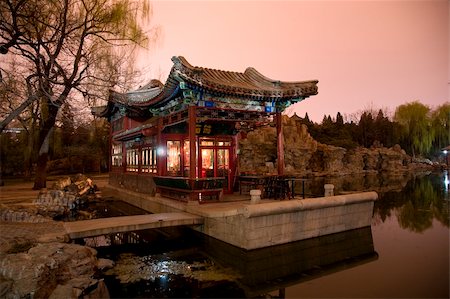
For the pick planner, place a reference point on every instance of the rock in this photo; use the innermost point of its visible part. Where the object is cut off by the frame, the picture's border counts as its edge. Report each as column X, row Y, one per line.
column 61, row 183
column 55, row 270
column 104, row 264
column 303, row 155
column 66, row 195
column 18, row 213
column 7, row 288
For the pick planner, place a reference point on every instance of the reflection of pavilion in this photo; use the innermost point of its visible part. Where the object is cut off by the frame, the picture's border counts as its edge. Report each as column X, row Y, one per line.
column 183, row 136
column 275, row 268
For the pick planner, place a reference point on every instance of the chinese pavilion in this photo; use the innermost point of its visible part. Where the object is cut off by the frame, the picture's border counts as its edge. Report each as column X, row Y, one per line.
column 182, row 137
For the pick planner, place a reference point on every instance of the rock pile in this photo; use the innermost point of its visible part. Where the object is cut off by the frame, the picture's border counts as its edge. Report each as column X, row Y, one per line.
column 65, row 195
column 33, row 262
column 21, row 214
column 306, row 156
column 52, row 270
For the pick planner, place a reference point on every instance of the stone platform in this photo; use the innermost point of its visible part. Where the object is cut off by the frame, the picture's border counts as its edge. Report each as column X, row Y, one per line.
column 269, row 222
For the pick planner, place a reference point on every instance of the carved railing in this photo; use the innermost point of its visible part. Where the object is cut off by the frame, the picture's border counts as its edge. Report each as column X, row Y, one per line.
column 187, row 189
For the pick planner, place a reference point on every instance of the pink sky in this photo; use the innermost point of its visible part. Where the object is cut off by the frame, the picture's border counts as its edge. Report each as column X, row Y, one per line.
column 365, row 54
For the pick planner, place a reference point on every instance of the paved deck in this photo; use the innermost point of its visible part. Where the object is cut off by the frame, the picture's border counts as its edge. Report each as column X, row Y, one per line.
column 102, row 226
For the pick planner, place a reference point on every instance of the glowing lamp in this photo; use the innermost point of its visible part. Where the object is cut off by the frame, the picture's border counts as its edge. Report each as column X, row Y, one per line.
column 160, row 151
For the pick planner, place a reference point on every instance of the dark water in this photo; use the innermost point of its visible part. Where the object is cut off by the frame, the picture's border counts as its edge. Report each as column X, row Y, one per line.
column 404, row 254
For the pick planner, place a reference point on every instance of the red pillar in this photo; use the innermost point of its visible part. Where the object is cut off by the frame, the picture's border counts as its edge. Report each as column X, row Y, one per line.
column 280, row 144
column 160, row 159
column 192, row 144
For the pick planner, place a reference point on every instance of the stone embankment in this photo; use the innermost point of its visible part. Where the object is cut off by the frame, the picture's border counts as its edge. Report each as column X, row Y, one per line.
column 35, row 261
column 305, row 156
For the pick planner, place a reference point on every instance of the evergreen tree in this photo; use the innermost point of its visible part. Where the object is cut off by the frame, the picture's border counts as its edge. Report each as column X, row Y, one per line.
column 339, row 120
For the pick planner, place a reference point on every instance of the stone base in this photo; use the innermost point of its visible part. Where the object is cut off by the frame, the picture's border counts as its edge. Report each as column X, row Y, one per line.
column 275, row 223
column 251, row 226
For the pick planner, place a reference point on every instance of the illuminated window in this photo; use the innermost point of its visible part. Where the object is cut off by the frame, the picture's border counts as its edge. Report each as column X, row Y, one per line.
column 187, row 157
column 224, row 143
column 174, row 157
column 132, row 157
column 116, row 155
column 206, row 142
column 148, row 155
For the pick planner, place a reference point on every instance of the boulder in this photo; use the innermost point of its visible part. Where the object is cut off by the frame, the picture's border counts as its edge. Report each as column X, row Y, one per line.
column 55, row 270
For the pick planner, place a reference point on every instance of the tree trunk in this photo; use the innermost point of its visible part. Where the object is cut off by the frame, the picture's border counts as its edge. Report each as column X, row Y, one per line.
column 41, row 171
column 29, row 151
column 28, row 165
column 45, row 131
column 40, row 180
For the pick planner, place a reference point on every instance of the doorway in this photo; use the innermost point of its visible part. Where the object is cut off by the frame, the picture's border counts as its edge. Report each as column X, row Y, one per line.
column 215, row 160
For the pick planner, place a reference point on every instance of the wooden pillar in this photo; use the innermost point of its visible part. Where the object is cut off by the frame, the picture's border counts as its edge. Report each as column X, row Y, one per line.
column 160, row 159
column 280, row 144
column 192, row 144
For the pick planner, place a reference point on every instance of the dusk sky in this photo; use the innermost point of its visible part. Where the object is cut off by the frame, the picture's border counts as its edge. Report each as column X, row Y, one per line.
column 365, row 54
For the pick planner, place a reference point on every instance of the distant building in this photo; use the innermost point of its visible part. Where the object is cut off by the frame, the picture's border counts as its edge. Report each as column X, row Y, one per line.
column 183, row 135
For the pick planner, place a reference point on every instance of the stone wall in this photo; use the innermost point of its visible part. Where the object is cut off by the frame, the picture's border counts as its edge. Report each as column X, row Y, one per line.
column 305, row 156
column 267, row 224
column 133, row 181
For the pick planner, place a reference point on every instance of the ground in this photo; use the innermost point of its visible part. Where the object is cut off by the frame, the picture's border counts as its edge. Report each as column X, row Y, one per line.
column 16, row 235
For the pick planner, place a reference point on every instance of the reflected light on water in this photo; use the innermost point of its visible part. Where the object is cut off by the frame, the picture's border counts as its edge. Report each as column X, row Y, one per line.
column 446, row 182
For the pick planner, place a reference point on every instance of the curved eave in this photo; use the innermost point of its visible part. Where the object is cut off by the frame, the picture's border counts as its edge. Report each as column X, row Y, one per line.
column 309, row 88
column 166, row 93
column 250, row 84
column 137, row 132
column 104, row 111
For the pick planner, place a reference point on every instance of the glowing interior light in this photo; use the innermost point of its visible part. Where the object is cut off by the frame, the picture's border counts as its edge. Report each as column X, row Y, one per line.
column 160, row 151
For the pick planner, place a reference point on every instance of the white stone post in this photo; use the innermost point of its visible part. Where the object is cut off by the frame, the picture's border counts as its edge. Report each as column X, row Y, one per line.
column 255, row 196
column 329, row 190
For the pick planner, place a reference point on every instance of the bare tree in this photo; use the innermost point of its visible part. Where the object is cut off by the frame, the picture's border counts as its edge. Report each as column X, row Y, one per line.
column 68, row 47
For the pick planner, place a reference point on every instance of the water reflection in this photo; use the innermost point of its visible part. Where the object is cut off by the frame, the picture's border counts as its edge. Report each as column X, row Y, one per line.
column 415, row 199
column 265, row 270
column 446, row 184
column 419, row 202
column 215, row 268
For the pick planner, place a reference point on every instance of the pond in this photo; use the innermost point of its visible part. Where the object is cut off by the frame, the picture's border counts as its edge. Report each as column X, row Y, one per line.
column 404, row 254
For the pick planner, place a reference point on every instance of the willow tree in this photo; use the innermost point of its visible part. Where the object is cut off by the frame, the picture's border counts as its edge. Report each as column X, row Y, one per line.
column 418, row 132
column 441, row 125
column 68, row 48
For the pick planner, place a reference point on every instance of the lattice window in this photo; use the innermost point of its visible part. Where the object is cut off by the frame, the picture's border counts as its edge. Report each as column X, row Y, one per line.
column 132, row 159
column 148, row 155
column 116, row 155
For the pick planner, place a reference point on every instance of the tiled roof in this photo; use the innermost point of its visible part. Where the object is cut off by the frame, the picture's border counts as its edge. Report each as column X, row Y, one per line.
column 140, row 95
column 251, row 83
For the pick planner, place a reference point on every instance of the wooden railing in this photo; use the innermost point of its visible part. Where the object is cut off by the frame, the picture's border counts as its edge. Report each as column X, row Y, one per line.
column 187, row 189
